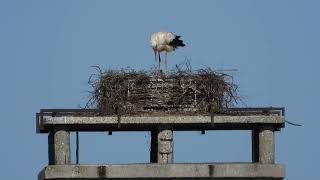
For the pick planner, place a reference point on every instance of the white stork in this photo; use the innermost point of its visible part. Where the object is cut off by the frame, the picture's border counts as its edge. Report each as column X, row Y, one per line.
column 164, row 41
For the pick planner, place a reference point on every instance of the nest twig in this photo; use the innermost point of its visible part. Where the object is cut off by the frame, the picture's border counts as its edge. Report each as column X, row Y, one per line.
column 127, row 91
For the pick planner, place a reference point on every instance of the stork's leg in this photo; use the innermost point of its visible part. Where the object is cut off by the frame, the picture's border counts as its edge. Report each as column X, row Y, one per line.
column 159, row 61
column 165, row 59
column 155, row 57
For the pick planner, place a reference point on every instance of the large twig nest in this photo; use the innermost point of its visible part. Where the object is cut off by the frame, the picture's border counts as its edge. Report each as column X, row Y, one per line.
column 127, row 91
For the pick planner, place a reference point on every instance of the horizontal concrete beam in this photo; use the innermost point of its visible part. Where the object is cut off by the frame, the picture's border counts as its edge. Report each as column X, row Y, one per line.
column 147, row 122
column 165, row 171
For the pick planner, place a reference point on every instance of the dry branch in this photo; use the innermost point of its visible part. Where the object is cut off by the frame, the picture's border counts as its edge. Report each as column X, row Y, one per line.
column 127, row 91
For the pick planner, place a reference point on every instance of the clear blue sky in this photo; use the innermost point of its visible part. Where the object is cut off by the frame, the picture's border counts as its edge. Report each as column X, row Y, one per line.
column 47, row 48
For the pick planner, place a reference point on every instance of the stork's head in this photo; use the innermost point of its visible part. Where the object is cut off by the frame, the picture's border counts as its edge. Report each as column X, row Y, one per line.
column 153, row 43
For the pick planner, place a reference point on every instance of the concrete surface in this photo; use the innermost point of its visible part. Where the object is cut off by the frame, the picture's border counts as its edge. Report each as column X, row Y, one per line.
column 147, row 123
column 162, row 147
column 59, row 146
column 165, row 146
column 165, row 171
column 266, row 145
column 161, row 150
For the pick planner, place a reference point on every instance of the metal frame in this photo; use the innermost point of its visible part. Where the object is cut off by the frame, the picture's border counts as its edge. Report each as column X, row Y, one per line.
column 227, row 111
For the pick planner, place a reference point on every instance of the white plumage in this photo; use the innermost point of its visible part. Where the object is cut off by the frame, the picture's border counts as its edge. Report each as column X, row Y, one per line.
column 164, row 41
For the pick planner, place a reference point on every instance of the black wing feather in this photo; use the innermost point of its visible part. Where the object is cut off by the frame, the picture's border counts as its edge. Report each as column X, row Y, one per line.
column 177, row 42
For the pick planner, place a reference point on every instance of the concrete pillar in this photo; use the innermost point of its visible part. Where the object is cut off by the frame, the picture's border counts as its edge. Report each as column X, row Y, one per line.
column 59, row 146
column 165, row 146
column 266, row 145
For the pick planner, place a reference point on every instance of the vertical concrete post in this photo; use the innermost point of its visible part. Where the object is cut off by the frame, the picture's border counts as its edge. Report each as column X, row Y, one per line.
column 59, row 146
column 165, row 146
column 266, row 145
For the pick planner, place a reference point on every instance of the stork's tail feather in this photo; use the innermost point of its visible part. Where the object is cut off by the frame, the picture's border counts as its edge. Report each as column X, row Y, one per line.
column 177, row 42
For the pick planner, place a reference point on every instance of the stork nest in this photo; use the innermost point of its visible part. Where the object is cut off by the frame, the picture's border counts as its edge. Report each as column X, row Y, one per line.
column 127, row 91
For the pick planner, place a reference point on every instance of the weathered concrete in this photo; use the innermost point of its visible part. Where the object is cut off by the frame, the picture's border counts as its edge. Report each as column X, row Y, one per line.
column 165, row 146
column 59, row 146
column 165, row 171
column 266, row 145
column 161, row 150
column 148, row 122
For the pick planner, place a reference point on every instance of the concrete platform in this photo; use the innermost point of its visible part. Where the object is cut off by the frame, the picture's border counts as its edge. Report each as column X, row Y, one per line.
column 165, row 171
column 148, row 122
